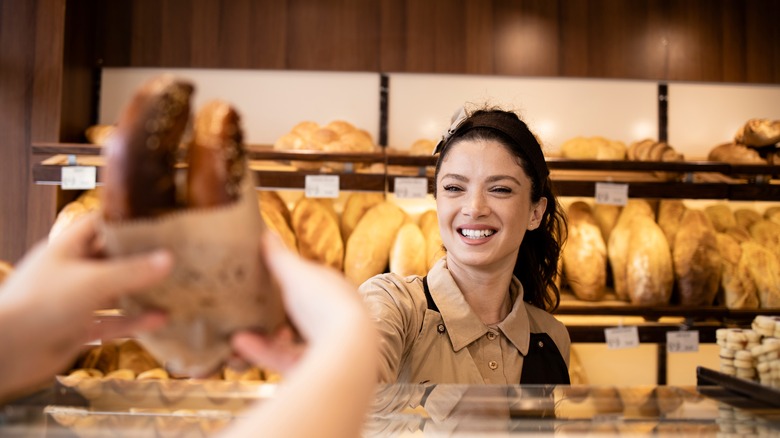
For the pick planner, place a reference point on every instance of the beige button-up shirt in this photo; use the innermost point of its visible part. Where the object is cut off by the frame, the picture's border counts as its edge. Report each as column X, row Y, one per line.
column 453, row 345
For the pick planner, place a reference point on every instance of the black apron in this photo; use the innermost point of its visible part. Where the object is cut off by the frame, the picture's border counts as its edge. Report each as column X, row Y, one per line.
column 543, row 365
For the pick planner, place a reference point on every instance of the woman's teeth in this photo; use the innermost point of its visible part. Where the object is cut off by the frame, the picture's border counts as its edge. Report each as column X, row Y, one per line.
column 476, row 234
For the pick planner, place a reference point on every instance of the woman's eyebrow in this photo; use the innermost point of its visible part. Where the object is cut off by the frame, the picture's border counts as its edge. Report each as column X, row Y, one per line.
column 495, row 178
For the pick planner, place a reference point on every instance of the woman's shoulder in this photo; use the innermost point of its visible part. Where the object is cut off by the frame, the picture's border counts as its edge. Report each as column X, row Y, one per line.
column 393, row 286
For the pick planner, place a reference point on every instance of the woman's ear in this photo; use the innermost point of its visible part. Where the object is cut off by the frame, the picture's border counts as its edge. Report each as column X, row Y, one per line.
column 536, row 214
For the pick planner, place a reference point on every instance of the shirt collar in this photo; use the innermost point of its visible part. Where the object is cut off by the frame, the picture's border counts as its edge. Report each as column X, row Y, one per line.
column 463, row 325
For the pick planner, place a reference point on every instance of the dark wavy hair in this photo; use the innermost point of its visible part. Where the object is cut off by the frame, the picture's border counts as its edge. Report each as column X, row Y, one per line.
column 537, row 260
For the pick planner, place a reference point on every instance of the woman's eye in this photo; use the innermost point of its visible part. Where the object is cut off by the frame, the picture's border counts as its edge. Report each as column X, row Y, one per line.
column 451, row 188
column 501, row 190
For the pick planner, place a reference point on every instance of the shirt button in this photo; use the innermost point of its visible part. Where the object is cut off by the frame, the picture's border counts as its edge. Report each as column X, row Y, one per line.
column 541, row 344
column 493, row 364
column 491, row 335
column 440, row 328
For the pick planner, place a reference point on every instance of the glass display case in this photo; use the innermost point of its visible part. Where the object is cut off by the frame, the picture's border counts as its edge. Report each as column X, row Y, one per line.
column 159, row 408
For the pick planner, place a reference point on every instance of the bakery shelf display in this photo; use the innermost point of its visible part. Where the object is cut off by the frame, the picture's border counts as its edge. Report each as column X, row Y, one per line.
column 369, row 171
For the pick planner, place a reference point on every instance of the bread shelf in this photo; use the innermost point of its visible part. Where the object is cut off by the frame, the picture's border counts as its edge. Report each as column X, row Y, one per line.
column 572, row 177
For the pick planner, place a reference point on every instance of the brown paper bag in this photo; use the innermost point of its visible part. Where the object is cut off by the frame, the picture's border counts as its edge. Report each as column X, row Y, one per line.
column 218, row 284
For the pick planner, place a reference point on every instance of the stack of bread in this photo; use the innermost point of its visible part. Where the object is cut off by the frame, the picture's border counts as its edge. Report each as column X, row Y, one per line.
column 735, row 354
column 752, row 354
column 754, row 143
column 593, row 148
column 337, row 136
column 651, row 150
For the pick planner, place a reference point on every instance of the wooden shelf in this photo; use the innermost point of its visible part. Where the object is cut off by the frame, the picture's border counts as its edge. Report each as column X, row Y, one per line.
column 571, row 177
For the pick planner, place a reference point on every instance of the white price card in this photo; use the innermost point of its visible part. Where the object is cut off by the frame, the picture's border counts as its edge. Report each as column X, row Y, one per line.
column 410, row 188
column 322, row 186
column 622, row 337
column 686, row 341
column 611, row 194
column 78, row 177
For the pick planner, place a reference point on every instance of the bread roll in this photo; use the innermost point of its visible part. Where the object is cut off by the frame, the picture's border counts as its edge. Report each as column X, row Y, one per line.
column 649, row 275
column 141, row 154
column 650, row 150
column 368, row 248
column 764, row 269
column 745, row 217
column 738, row 233
column 739, row 290
column 735, row 154
column 357, row 204
column 340, row 127
column 593, row 148
column 305, row 129
column 758, row 132
column 585, row 254
column 133, row 357
column 318, row 234
column 275, row 222
column 767, row 233
column 670, row 213
column 103, row 357
column 99, row 134
column 69, row 214
column 773, row 214
column 422, row 146
column 407, row 255
column 721, row 216
column 606, row 216
column 434, row 247
column 270, row 200
column 216, row 157
column 697, row 262
column 617, row 245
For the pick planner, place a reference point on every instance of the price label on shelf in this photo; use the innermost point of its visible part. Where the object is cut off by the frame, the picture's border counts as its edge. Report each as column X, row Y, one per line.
column 682, row 341
column 411, row 188
column 78, row 177
column 622, row 337
column 322, row 186
column 611, row 194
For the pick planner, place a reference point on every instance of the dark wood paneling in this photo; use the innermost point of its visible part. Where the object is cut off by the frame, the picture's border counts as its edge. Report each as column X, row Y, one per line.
column 30, row 68
column 762, row 34
column 333, row 35
column 526, row 37
column 694, row 40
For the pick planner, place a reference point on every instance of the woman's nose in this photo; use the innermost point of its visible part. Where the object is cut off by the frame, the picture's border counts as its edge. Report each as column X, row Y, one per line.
column 475, row 206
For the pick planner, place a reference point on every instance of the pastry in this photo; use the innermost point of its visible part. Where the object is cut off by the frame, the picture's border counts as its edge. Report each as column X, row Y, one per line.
column 317, row 231
column 355, row 207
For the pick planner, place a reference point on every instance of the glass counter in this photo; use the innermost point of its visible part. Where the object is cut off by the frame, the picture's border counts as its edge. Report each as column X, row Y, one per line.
column 177, row 408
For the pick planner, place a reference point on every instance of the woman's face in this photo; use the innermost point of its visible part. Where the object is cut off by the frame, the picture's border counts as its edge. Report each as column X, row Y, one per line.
column 484, row 204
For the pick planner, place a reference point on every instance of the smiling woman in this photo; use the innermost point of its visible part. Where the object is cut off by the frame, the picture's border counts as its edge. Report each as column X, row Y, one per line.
column 480, row 315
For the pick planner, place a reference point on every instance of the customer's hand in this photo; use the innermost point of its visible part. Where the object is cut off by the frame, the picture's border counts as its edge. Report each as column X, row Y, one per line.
column 330, row 379
column 47, row 306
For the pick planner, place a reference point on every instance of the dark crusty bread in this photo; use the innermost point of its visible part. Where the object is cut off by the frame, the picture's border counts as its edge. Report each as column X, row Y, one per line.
column 141, row 153
column 216, row 157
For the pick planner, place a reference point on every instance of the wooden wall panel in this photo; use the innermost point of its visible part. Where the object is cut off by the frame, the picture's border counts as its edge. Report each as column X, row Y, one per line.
column 526, row 37
column 694, row 40
column 31, row 42
column 333, row 35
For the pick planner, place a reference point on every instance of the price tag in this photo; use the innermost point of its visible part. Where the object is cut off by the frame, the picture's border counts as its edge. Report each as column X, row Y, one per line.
column 611, row 194
column 78, row 177
column 322, row 186
column 682, row 341
column 622, row 337
column 410, row 188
